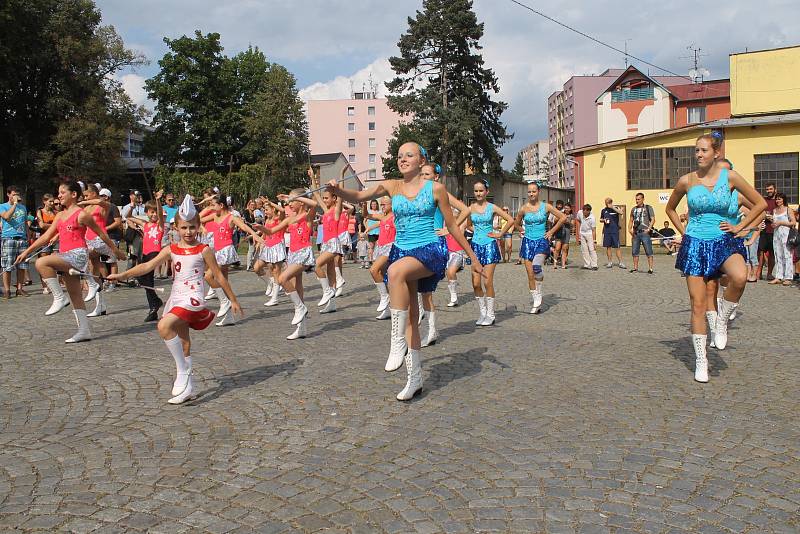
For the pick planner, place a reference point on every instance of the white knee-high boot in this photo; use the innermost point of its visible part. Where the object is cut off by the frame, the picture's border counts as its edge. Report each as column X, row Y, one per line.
column 300, row 310
column 433, row 334
column 183, row 365
column 414, row 380
column 383, row 292
column 60, row 301
column 452, row 286
column 700, row 361
column 94, row 287
column 399, row 346
column 224, row 301
column 489, row 321
column 84, row 332
column 724, row 312
column 300, row 331
column 711, row 319
column 481, row 310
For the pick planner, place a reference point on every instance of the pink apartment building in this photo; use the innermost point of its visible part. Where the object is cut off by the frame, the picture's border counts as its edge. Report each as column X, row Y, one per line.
column 359, row 128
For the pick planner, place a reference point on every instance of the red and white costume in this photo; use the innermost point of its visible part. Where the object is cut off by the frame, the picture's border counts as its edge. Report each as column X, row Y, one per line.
column 186, row 299
column 224, row 251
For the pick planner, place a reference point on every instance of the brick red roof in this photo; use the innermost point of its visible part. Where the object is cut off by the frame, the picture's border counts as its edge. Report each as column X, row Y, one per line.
column 702, row 91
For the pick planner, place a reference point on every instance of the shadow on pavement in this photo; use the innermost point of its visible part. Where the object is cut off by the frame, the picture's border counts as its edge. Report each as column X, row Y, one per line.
column 246, row 378
column 683, row 351
column 451, row 367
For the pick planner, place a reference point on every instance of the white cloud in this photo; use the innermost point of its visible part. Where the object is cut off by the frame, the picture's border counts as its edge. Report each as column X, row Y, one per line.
column 377, row 72
column 134, row 86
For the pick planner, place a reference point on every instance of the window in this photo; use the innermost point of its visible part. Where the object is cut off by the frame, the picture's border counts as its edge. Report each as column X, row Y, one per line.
column 372, row 142
column 351, row 111
column 351, row 127
column 658, row 168
column 373, row 174
column 371, row 110
column 372, row 127
column 372, row 159
column 351, row 158
column 696, row 115
column 778, row 169
column 351, row 143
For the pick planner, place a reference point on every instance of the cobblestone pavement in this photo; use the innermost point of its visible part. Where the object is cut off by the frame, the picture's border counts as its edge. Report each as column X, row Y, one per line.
column 584, row 418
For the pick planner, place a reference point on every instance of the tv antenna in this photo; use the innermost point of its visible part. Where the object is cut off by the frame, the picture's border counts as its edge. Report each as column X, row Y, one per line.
column 697, row 72
column 626, row 52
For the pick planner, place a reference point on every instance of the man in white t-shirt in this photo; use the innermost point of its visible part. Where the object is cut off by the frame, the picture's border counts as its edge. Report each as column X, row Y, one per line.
column 586, row 235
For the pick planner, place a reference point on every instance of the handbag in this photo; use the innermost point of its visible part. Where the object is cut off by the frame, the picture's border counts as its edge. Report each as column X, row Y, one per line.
column 791, row 239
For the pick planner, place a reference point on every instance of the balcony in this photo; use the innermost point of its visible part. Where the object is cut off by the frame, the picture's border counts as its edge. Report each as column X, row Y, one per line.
column 627, row 95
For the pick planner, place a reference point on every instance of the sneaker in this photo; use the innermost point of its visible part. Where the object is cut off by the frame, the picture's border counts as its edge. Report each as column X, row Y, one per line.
column 609, row 265
column 594, row 268
column 649, row 271
column 622, row 266
column 634, row 271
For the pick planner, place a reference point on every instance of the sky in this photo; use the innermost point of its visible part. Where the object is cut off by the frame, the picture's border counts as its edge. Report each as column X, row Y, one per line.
column 328, row 44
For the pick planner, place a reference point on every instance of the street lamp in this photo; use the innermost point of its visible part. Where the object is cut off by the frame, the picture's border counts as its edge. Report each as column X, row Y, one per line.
column 575, row 162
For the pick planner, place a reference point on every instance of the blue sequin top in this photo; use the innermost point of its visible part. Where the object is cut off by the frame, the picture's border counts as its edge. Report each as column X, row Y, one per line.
column 733, row 209
column 535, row 222
column 482, row 225
column 413, row 218
column 438, row 219
column 707, row 209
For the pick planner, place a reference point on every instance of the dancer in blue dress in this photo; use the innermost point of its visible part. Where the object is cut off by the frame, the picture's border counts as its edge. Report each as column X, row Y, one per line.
column 484, row 244
column 417, row 260
column 535, row 245
column 427, row 309
column 709, row 247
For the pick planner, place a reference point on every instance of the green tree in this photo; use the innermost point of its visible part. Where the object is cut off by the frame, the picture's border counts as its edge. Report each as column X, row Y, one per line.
column 196, row 117
column 442, row 82
column 519, row 166
column 56, row 80
column 275, row 129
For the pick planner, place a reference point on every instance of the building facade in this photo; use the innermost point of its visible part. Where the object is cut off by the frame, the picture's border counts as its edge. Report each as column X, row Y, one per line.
column 762, row 142
column 535, row 159
column 637, row 104
column 359, row 127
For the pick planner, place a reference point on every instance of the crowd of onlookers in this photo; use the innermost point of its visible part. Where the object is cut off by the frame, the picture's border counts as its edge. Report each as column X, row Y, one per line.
column 772, row 244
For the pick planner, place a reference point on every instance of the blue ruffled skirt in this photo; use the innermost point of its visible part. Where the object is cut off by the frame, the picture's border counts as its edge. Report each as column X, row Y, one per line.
column 532, row 247
column 488, row 253
column 433, row 256
column 704, row 257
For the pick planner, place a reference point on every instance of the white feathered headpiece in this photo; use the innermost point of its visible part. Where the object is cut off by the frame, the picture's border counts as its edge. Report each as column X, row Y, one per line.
column 187, row 211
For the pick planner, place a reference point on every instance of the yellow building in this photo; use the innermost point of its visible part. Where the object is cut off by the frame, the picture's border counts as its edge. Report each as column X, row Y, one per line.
column 763, row 143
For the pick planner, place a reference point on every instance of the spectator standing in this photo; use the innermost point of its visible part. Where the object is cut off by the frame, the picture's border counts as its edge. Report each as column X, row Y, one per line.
column 765, row 241
column 611, row 227
column 586, row 234
column 782, row 219
column 44, row 218
column 133, row 238
column 14, row 240
column 641, row 223
column 114, row 231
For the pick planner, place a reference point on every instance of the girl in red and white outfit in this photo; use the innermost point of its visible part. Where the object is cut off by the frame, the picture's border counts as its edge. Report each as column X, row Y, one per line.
column 344, row 238
column 186, row 306
column 97, row 208
column 331, row 251
column 221, row 224
column 380, row 257
column 301, row 256
column 272, row 256
column 152, row 231
column 70, row 225
column 456, row 259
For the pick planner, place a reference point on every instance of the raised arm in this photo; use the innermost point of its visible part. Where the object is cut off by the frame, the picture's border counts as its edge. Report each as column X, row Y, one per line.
column 241, row 225
column 365, row 195
column 142, row 268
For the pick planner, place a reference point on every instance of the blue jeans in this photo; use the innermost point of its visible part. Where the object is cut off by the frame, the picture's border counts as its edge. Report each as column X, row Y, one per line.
column 639, row 239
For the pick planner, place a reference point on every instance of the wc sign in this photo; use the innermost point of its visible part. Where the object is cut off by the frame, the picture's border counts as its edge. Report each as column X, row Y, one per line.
column 663, row 198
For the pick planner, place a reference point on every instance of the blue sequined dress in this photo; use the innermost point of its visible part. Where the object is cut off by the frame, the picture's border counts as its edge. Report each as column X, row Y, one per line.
column 534, row 243
column 486, row 248
column 705, row 247
column 416, row 237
